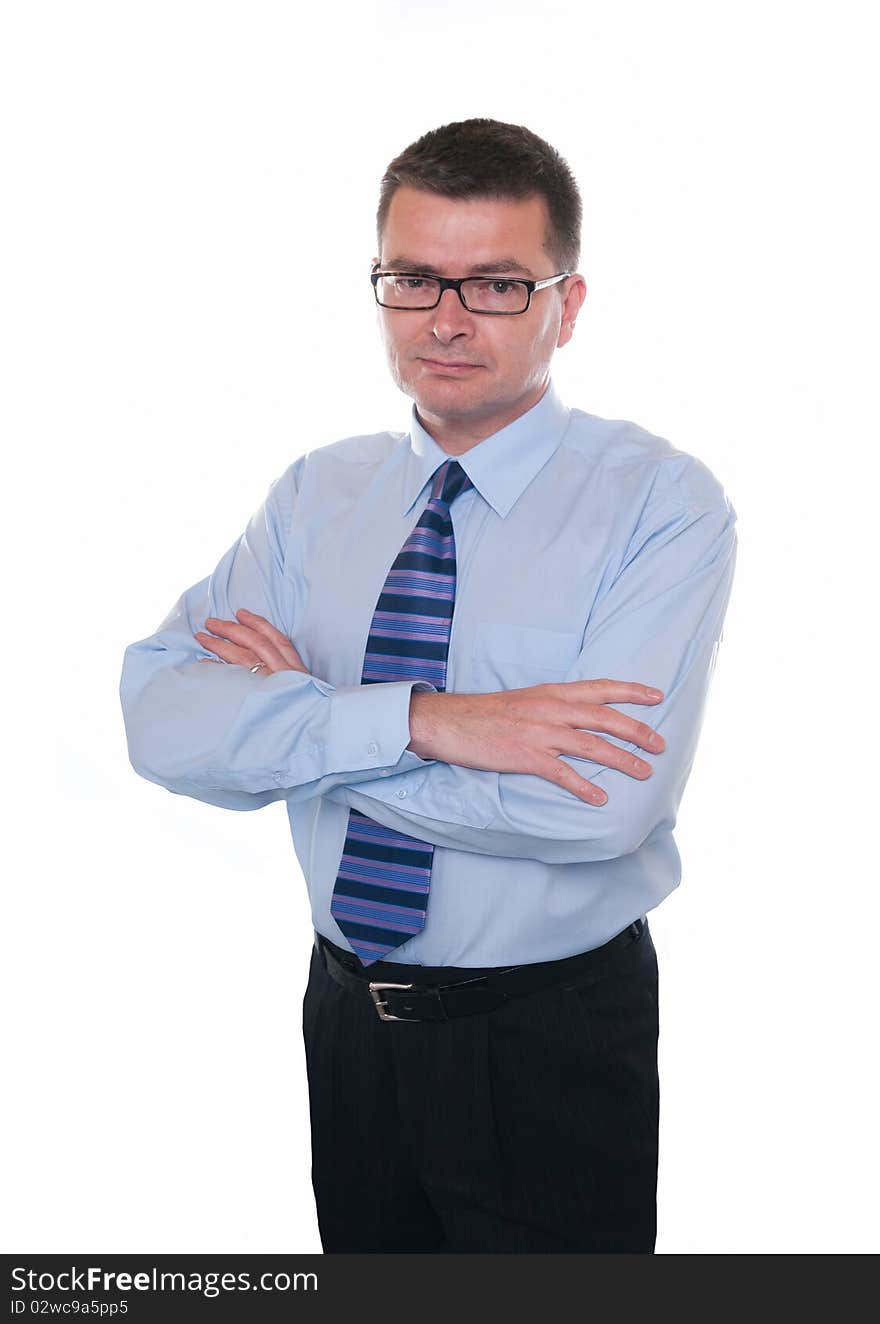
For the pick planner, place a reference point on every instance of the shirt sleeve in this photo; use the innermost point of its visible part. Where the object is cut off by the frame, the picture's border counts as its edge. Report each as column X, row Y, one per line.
column 237, row 740
column 659, row 623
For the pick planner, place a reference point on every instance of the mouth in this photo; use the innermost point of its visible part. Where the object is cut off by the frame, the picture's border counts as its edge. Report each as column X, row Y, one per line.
column 450, row 367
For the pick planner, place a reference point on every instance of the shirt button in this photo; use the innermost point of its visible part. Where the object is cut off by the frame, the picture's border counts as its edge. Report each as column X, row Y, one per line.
column 278, row 777
column 401, row 794
column 372, row 747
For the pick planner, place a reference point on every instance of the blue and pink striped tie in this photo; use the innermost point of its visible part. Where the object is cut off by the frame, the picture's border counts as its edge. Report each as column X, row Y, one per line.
column 381, row 892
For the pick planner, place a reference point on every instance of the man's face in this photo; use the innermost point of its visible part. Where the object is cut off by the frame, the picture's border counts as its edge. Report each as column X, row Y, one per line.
column 469, row 373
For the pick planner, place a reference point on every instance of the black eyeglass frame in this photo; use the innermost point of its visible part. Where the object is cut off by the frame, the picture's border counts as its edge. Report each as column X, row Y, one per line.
column 455, row 283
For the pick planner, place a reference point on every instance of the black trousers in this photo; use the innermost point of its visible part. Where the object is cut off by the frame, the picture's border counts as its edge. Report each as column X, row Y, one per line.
column 530, row 1128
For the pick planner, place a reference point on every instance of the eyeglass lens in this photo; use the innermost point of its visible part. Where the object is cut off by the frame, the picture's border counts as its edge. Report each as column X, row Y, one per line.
column 480, row 295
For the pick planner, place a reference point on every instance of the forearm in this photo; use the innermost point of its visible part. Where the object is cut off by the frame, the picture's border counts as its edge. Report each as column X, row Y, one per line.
column 524, row 816
column 239, row 741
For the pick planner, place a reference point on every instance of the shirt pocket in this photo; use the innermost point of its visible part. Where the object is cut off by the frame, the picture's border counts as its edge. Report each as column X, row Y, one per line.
column 514, row 656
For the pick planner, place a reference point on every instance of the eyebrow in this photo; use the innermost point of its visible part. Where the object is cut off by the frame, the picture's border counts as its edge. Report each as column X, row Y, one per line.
column 503, row 264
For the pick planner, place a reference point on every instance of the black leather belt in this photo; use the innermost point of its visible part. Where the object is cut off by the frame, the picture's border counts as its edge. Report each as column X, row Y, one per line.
column 465, row 997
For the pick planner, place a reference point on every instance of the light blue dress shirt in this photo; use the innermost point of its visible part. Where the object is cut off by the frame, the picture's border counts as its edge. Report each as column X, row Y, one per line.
column 587, row 548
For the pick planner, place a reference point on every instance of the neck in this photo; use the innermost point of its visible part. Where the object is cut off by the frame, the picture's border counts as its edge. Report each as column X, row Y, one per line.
column 457, row 435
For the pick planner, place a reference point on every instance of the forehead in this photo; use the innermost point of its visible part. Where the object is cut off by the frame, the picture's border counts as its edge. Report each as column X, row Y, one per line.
column 448, row 232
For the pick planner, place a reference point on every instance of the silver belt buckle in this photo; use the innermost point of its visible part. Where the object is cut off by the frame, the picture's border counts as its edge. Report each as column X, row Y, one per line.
column 384, row 1015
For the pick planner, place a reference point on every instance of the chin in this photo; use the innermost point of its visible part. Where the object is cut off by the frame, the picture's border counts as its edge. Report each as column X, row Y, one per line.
column 449, row 399
column 448, row 389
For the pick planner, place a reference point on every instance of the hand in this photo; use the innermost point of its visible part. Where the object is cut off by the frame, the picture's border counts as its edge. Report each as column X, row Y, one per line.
column 525, row 730
column 250, row 640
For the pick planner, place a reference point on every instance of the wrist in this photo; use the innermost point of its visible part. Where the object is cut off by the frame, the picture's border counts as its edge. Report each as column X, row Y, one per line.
column 423, row 721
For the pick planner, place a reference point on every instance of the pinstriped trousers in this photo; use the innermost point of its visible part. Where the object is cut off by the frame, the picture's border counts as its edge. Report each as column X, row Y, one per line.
column 530, row 1128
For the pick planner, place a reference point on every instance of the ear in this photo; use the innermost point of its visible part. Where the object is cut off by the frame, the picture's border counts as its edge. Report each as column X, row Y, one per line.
column 574, row 298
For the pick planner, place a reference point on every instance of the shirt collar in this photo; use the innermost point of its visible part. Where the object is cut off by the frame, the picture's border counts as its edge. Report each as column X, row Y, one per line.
column 502, row 465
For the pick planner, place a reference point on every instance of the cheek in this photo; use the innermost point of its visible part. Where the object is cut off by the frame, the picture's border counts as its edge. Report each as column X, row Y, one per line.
column 397, row 339
column 522, row 350
column 391, row 344
column 543, row 340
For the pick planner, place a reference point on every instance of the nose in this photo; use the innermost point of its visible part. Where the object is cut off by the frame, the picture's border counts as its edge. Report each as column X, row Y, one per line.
column 451, row 318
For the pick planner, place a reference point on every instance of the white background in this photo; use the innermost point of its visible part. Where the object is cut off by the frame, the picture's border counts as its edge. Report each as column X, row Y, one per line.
column 181, row 178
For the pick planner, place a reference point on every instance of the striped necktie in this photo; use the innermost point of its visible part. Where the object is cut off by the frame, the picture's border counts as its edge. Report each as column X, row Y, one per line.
column 381, row 892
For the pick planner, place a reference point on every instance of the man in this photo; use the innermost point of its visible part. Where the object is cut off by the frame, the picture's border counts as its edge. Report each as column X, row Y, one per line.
column 427, row 638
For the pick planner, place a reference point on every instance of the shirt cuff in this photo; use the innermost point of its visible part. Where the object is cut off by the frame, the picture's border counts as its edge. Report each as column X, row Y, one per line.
column 369, row 726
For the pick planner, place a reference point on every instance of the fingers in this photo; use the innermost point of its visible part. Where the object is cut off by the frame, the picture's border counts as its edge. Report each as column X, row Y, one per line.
column 584, row 746
column 275, row 637
column 623, row 691
column 625, row 728
column 612, row 691
column 251, row 640
column 597, row 716
column 239, row 644
column 559, row 772
column 226, row 651
column 573, row 715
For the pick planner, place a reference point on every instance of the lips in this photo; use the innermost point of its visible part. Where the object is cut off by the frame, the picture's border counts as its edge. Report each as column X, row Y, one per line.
column 448, row 363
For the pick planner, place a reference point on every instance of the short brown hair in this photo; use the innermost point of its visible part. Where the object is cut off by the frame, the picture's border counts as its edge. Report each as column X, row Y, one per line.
column 483, row 158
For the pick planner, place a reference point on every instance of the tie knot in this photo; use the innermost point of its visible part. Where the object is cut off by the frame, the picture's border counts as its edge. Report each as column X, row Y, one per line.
column 449, row 481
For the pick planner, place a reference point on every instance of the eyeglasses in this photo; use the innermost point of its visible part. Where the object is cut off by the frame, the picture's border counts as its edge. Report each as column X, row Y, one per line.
column 496, row 296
